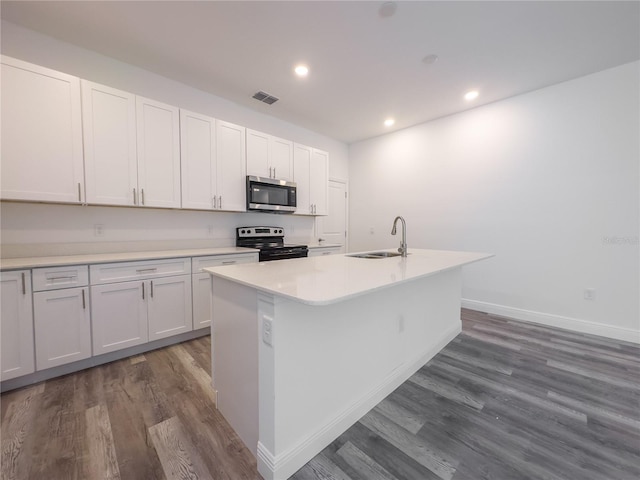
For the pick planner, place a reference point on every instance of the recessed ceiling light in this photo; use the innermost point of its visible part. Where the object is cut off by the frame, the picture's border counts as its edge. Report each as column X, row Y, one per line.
column 389, row 122
column 301, row 70
column 430, row 59
column 471, row 95
column 387, row 9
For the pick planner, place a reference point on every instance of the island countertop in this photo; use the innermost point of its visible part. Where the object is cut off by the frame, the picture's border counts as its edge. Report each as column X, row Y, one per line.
column 333, row 278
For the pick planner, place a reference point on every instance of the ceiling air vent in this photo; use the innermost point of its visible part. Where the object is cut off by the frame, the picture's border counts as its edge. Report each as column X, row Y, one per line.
column 265, row 97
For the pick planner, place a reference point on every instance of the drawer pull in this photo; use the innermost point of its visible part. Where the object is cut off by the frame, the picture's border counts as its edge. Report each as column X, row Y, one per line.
column 79, row 192
column 24, row 284
column 68, row 277
column 151, row 288
column 135, row 197
column 143, row 290
column 146, row 270
column 84, row 303
column 142, row 190
column 229, row 262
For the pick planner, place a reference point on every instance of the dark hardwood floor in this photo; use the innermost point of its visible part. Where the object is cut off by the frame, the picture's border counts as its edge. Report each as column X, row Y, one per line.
column 505, row 400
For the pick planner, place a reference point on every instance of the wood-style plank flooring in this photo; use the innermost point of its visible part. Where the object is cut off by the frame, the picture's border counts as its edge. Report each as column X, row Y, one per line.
column 504, row 400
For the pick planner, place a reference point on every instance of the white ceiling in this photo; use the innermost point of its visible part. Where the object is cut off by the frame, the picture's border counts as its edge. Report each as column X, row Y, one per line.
column 363, row 67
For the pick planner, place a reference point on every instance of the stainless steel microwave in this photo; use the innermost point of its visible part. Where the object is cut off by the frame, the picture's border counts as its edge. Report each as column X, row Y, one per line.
column 271, row 195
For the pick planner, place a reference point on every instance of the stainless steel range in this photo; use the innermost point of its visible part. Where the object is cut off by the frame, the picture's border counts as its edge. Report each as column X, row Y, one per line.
column 270, row 242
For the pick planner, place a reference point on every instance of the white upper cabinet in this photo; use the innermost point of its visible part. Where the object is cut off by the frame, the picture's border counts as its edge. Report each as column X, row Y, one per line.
column 311, row 174
column 231, row 166
column 319, row 181
column 158, row 138
column 269, row 156
column 109, row 121
column 301, row 172
column 198, row 161
column 41, row 134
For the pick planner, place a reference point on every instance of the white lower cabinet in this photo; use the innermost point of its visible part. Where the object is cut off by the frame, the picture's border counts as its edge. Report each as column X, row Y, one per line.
column 154, row 303
column 321, row 251
column 119, row 316
column 169, row 306
column 62, row 326
column 16, row 324
column 201, row 282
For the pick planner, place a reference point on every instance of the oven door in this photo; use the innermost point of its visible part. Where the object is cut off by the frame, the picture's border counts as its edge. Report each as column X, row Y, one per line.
column 271, row 195
column 283, row 253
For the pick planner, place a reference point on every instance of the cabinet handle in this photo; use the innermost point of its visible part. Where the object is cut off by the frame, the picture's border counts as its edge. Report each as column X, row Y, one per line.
column 143, row 270
column 229, row 262
column 213, row 202
column 68, row 277
column 220, row 201
column 84, row 304
column 24, row 284
column 151, row 288
column 274, row 172
column 135, row 197
column 270, row 173
column 143, row 290
column 142, row 190
column 79, row 193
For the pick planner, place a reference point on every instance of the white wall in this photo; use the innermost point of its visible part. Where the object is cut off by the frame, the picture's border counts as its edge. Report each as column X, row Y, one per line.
column 41, row 224
column 547, row 181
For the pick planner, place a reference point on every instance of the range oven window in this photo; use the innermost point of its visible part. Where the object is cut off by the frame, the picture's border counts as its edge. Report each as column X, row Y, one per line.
column 271, row 195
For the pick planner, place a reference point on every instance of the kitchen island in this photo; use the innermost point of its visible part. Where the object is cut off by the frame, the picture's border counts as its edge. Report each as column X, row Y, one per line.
column 303, row 348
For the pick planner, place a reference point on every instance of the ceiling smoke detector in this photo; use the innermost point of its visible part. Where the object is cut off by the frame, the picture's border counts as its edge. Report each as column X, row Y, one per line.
column 265, row 97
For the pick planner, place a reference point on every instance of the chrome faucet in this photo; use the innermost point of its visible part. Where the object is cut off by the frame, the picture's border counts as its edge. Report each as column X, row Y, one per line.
column 403, row 243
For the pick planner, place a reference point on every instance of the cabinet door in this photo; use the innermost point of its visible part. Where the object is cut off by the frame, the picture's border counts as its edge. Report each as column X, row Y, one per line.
column 281, row 158
column 109, row 126
column 319, row 181
column 169, row 306
column 118, row 316
column 201, row 300
column 301, row 172
column 198, row 160
column 62, row 326
column 16, row 324
column 41, row 134
column 258, row 154
column 232, row 171
column 158, row 139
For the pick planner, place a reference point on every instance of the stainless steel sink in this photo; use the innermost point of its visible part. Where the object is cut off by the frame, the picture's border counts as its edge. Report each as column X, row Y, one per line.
column 375, row 255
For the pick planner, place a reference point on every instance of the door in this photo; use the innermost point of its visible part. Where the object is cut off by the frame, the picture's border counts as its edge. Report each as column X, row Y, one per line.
column 169, row 306
column 41, row 134
column 333, row 227
column 62, row 326
column 109, row 121
column 198, row 160
column 16, row 324
column 158, row 140
column 232, row 167
column 118, row 315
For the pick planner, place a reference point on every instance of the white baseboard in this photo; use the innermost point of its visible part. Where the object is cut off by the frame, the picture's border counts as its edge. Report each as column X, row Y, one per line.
column 568, row 323
column 287, row 463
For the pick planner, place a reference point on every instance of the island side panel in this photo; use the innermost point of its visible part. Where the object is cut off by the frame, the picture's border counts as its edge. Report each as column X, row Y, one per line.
column 234, row 356
column 331, row 364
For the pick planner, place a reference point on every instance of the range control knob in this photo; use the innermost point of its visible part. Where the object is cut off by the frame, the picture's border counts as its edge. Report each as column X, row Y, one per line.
column 241, row 231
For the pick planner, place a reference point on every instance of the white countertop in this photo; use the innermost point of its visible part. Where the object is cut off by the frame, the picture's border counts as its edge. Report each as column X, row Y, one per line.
column 323, row 245
column 332, row 278
column 60, row 260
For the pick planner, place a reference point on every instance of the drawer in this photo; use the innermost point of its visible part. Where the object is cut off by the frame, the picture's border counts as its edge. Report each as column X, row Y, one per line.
column 54, row 278
column 126, row 271
column 198, row 263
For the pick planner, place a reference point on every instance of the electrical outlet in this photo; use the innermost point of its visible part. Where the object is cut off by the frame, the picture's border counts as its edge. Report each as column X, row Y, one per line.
column 589, row 293
column 98, row 230
column 267, row 330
